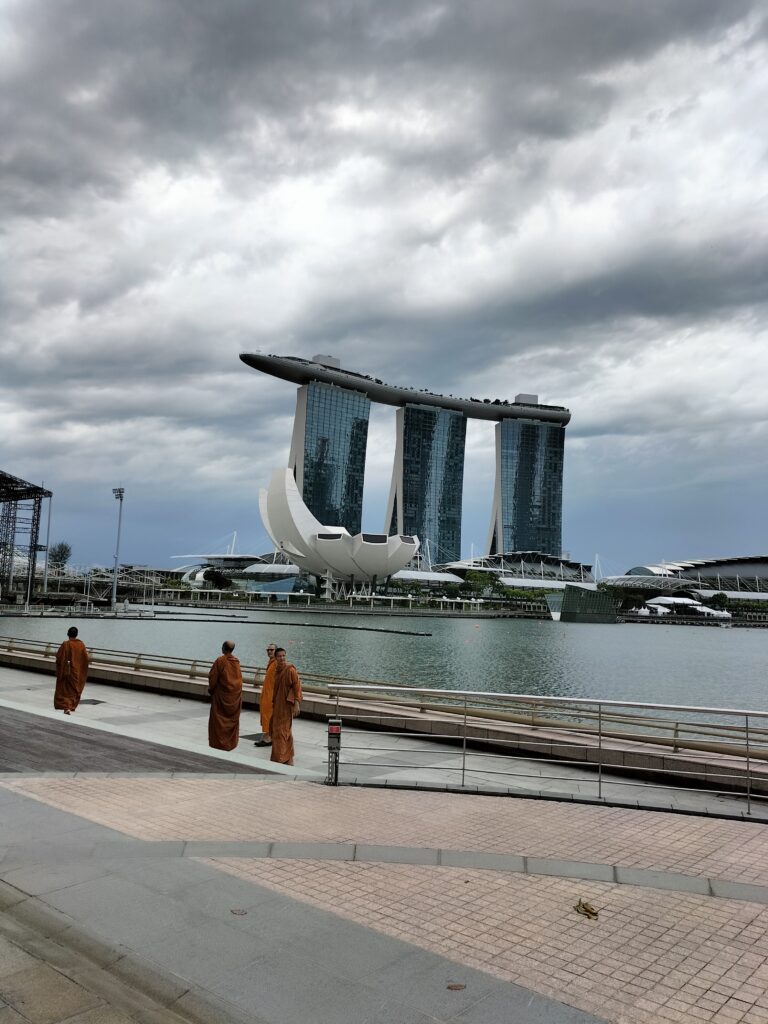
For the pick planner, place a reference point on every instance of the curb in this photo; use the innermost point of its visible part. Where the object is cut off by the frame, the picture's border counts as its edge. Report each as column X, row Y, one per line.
column 117, row 974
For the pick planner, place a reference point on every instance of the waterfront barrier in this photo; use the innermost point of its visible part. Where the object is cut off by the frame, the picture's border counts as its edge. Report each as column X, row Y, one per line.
column 722, row 750
column 719, row 749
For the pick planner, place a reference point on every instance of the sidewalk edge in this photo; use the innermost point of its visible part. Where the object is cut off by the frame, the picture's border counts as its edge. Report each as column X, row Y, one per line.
column 32, row 920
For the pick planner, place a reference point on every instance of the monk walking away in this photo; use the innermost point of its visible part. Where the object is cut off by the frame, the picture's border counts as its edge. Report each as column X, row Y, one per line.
column 265, row 698
column 286, row 704
column 225, row 685
column 72, row 661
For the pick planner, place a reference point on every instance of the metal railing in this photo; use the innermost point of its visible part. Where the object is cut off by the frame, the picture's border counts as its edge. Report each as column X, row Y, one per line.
column 722, row 750
column 163, row 664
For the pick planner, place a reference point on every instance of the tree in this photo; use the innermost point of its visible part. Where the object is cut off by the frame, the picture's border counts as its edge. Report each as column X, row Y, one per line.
column 719, row 600
column 217, row 579
column 59, row 554
column 497, row 587
column 475, row 582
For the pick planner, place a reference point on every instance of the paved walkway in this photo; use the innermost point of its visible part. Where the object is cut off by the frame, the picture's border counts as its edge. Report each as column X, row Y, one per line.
column 30, row 743
column 369, row 758
column 270, row 898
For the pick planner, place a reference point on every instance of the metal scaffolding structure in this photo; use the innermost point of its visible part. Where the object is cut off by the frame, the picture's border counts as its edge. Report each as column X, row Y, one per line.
column 20, row 512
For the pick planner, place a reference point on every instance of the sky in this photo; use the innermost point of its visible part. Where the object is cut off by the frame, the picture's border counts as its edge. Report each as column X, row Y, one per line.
column 567, row 198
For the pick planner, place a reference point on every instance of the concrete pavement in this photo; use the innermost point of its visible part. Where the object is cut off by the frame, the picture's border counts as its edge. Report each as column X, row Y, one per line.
column 221, row 895
column 368, row 757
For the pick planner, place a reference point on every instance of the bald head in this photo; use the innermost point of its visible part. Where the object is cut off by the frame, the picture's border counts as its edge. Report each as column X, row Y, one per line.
column 228, row 646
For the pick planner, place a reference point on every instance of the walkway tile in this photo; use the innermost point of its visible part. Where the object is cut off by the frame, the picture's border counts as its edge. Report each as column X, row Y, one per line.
column 44, row 996
column 248, row 809
column 651, row 954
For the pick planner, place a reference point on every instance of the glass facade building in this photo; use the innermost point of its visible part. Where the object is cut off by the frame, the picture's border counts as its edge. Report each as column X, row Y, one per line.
column 428, row 478
column 330, row 437
column 329, row 446
column 528, row 500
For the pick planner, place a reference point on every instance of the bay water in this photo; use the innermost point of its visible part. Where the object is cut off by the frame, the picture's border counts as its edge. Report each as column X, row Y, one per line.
column 695, row 665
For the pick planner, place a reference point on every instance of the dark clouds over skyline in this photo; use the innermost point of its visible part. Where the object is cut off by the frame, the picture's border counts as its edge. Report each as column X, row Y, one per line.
column 567, row 198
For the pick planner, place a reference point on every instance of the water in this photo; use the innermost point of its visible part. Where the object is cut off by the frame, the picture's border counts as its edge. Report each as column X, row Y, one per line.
column 658, row 664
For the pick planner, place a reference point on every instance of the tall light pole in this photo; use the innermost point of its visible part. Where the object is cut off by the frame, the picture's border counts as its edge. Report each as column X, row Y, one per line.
column 47, row 544
column 118, row 493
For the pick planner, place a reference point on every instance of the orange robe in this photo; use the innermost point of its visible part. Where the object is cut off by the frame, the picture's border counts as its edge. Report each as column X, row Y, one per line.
column 265, row 698
column 72, row 662
column 286, row 695
column 225, row 685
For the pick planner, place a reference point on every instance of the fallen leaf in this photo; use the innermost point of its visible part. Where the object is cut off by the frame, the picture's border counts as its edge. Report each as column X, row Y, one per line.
column 239, row 912
column 455, row 986
column 586, row 910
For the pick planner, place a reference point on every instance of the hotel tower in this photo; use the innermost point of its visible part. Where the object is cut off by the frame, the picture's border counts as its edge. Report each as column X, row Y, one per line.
column 329, row 443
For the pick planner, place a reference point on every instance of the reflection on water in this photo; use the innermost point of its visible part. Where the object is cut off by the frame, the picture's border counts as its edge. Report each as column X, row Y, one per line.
column 658, row 664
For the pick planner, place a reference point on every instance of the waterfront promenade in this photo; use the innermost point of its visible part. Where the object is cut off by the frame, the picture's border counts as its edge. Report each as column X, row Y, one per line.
column 214, row 888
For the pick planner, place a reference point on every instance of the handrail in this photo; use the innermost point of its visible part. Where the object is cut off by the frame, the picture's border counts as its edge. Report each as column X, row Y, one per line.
column 165, row 662
column 346, row 684
column 572, row 723
column 537, row 699
column 559, row 744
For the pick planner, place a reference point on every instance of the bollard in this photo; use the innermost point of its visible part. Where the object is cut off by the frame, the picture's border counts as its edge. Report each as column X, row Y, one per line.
column 334, row 749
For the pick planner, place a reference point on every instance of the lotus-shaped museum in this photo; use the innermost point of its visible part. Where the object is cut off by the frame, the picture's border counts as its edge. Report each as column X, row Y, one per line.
column 324, row 550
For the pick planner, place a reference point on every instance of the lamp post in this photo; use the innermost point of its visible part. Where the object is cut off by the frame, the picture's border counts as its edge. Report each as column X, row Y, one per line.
column 47, row 544
column 118, row 493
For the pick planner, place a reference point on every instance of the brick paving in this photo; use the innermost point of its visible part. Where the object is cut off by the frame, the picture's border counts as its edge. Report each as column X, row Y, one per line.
column 652, row 956
column 266, row 810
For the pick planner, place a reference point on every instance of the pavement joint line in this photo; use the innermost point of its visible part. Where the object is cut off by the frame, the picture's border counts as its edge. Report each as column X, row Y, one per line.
column 122, row 978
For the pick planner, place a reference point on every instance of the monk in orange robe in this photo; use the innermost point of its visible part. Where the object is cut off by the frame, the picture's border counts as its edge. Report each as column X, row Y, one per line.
column 265, row 698
column 286, row 704
column 225, row 685
column 72, row 662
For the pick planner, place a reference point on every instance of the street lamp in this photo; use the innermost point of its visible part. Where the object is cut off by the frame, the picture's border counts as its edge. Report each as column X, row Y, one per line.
column 118, row 493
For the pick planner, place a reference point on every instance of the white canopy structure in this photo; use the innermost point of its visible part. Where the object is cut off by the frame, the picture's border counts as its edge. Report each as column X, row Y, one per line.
column 665, row 604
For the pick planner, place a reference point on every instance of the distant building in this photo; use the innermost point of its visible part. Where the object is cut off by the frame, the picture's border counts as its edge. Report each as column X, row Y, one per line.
column 428, row 479
column 742, row 577
column 20, row 513
column 526, row 570
column 330, row 435
column 528, row 497
column 329, row 446
column 329, row 553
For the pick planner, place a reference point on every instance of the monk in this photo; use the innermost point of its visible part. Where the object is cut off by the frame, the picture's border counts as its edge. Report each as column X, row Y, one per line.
column 265, row 698
column 72, row 662
column 225, row 685
column 286, row 704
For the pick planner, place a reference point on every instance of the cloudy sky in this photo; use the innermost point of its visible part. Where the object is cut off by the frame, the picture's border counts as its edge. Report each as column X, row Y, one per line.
column 566, row 197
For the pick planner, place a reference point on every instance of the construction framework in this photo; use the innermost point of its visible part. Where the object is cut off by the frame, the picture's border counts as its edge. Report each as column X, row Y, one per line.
column 20, row 512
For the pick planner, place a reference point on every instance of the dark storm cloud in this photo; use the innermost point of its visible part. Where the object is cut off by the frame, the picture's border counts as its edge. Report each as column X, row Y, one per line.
column 92, row 90
column 669, row 283
column 565, row 196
